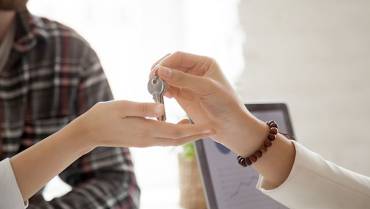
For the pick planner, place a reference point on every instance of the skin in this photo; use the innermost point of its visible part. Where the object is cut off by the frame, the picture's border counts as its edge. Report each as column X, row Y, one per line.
column 7, row 13
column 14, row 5
column 198, row 85
column 113, row 124
column 6, row 18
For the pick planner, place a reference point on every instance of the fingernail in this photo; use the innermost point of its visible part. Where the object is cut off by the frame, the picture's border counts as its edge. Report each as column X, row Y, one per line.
column 166, row 72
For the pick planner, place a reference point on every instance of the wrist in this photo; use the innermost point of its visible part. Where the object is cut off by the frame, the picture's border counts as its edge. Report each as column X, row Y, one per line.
column 276, row 164
column 77, row 137
column 253, row 134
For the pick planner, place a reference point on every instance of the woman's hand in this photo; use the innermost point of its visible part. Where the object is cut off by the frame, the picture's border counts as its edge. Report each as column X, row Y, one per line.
column 199, row 86
column 126, row 124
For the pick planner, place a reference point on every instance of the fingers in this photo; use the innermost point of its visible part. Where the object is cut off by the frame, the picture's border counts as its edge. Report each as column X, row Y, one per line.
column 184, row 121
column 182, row 60
column 177, row 142
column 135, row 109
column 168, row 94
column 180, row 131
column 160, row 60
column 171, row 91
column 148, row 132
column 154, row 67
column 176, row 78
column 161, row 141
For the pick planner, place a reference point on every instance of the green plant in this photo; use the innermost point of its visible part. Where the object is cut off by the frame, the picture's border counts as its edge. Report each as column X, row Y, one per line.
column 188, row 151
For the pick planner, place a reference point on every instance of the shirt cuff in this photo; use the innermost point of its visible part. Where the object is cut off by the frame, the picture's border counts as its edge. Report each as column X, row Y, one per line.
column 304, row 158
column 316, row 183
column 11, row 196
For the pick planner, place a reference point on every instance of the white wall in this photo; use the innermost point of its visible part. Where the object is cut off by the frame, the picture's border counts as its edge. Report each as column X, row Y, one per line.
column 314, row 55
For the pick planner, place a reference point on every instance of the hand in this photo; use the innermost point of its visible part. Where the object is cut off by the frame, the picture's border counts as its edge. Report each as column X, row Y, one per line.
column 124, row 124
column 199, row 86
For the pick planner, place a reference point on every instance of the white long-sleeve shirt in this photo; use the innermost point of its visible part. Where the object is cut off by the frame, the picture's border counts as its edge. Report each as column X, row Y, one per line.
column 10, row 195
column 319, row 184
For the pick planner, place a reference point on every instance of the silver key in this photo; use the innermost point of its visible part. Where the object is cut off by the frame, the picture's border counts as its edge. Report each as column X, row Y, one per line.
column 157, row 88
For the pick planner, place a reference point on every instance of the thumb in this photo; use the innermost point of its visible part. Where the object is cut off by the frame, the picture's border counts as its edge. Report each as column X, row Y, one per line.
column 136, row 109
column 184, row 121
column 176, row 78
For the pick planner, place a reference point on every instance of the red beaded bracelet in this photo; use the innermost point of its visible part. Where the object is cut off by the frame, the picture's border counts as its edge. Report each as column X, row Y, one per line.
column 247, row 161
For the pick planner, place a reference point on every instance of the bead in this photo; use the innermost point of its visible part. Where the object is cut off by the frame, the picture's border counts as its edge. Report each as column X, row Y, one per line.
column 242, row 161
column 263, row 149
column 253, row 158
column 270, row 122
column 271, row 137
column 248, row 161
column 258, row 154
column 273, row 125
column 267, row 143
column 273, row 130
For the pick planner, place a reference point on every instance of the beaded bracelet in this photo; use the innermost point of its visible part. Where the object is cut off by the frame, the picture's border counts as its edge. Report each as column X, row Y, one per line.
column 273, row 131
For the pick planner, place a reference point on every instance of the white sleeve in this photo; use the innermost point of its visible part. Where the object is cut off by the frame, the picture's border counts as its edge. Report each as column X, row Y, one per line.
column 10, row 196
column 316, row 183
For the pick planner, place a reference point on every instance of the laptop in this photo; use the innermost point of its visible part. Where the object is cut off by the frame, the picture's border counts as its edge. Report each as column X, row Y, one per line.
column 229, row 185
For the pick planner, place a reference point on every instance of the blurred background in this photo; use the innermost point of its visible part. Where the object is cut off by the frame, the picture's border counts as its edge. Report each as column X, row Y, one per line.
column 313, row 55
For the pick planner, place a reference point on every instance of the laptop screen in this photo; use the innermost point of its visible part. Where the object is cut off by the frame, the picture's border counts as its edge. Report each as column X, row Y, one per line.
column 229, row 185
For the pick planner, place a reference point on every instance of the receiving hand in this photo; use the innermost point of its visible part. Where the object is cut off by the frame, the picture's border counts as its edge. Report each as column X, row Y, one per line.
column 125, row 124
column 201, row 89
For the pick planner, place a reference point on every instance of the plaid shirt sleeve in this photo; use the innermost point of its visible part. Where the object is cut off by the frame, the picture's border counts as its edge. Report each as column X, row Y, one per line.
column 103, row 178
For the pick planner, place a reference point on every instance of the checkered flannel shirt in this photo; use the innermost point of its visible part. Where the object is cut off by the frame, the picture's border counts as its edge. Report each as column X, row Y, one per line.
column 51, row 77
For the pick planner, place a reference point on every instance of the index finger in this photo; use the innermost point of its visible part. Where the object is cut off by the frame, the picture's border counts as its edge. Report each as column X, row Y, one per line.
column 153, row 68
column 198, row 84
column 182, row 61
column 160, row 60
column 136, row 109
column 179, row 131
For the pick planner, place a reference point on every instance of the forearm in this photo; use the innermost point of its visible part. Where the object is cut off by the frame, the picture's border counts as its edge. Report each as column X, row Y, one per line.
column 35, row 166
column 275, row 164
